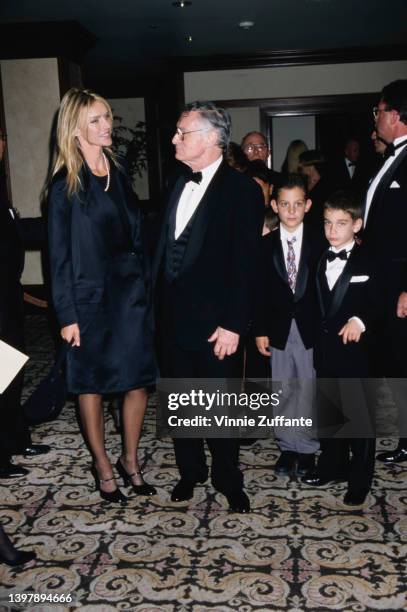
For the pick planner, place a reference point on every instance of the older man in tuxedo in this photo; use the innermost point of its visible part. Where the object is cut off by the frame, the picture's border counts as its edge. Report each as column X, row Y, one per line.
column 385, row 226
column 205, row 272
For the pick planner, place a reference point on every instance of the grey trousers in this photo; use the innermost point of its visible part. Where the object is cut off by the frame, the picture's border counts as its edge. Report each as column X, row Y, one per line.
column 294, row 368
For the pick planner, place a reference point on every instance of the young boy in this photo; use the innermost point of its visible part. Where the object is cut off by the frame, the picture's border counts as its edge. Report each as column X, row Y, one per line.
column 285, row 317
column 348, row 300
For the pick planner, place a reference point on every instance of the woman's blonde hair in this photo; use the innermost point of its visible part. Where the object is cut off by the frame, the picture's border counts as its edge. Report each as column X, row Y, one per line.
column 74, row 106
column 295, row 148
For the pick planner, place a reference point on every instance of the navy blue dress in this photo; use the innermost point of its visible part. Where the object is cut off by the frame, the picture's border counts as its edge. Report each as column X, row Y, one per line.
column 101, row 280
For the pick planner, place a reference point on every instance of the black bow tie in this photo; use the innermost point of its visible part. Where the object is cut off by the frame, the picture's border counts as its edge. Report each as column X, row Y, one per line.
column 331, row 256
column 351, row 163
column 195, row 177
column 391, row 148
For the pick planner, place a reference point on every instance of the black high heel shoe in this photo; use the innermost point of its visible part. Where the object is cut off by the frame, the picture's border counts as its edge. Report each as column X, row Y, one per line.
column 113, row 497
column 143, row 489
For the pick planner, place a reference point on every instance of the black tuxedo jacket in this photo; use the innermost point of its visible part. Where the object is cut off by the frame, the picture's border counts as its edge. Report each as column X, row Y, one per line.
column 217, row 280
column 385, row 231
column 385, row 235
column 277, row 304
column 341, row 177
column 355, row 294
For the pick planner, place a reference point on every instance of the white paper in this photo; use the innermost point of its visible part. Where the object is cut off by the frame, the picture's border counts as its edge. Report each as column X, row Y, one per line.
column 11, row 362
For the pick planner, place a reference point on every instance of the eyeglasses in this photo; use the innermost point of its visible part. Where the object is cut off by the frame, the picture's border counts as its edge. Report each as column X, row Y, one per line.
column 3, row 136
column 255, row 147
column 181, row 134
column 377, row 110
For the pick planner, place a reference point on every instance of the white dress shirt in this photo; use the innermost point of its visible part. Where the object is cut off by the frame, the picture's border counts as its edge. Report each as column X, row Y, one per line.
column 377, row 178
column 285, row 235
column 350, row 166
column 191, row 196
column 335, row 268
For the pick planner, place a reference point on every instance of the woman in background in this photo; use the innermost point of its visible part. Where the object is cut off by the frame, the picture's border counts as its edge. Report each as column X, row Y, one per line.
column 100, row 284
column 292, row 158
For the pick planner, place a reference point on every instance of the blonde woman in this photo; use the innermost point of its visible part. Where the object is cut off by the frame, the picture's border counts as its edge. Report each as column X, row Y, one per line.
column 100, row 284
column 292, row 158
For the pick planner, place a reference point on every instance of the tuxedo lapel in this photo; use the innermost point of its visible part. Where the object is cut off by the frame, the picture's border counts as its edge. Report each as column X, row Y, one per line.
column 169, row 211
column 303, row 269
column 278, row 257
column 341, row 286
column 383, row 185
column 319, row 280
column 203, row 214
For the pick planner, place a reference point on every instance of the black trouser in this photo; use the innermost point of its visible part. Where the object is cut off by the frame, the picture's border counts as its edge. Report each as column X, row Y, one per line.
column 189, row 452
column 335, row 461
column 14, row 432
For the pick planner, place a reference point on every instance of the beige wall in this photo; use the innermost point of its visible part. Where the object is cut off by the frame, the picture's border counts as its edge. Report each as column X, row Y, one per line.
column 292, row 81
column 31, row 98
column 244, row 119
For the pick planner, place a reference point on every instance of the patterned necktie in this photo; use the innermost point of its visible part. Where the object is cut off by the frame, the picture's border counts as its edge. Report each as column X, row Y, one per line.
column 291, row 266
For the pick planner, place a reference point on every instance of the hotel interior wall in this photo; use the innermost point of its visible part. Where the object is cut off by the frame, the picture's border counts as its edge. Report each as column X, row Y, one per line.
column 31, row 99
column 287, row 82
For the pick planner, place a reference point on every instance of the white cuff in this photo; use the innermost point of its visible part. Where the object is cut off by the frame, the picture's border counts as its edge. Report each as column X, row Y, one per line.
column 360, row 322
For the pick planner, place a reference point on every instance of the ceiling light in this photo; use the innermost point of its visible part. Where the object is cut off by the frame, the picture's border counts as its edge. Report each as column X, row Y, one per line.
column 189, row 39
column 246, row 25
column 182, row 3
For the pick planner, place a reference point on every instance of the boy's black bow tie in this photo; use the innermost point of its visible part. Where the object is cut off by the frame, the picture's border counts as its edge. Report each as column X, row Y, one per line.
column 331, row 256
column 196, row 177
column 391, row 148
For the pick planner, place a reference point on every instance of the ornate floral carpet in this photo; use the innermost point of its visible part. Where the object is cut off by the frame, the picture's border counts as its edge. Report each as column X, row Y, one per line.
column 299, row 550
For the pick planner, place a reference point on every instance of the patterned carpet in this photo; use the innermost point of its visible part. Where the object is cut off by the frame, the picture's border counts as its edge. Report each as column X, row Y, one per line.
column 299, row 550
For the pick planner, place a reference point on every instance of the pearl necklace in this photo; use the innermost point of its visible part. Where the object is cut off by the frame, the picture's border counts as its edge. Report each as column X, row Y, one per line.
column 108, row 172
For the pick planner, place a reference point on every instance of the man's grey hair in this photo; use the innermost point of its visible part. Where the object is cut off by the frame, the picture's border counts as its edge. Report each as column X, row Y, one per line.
column 218, row 118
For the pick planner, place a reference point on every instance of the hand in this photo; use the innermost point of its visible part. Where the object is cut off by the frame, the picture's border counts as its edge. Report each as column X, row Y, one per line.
column 71, row 334
column 226, row 342
column 351, row 332
column 402, row 305
column 263, row 345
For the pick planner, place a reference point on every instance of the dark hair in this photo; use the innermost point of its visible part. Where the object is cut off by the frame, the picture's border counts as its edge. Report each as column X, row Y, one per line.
column 313, row 158
column 218, row 118
column 291, row 181
column 235, row 157
column 346, row 201
column 394, row 95
column 258, row 169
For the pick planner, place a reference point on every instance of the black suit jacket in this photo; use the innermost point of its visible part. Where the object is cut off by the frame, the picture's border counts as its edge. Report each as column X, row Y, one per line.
column 349, row 298
column 341, row 177
column 277, row 304
column 217, row 279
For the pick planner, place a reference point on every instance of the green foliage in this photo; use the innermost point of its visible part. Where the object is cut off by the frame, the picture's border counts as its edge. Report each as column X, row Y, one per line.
column 131, row 144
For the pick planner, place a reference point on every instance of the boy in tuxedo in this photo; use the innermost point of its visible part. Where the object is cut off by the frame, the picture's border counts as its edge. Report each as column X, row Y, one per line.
column 348, row 300
column 284, row 322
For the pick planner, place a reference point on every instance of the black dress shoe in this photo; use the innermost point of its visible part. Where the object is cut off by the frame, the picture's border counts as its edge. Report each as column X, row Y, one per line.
column 396, row 456
column 35, row 449
column 183, row 490
column 355, row 498
column 286, row 462
column 306, row 463
column 19, row 558
column 10, row 470
column 315, row 480
column 238, row 502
